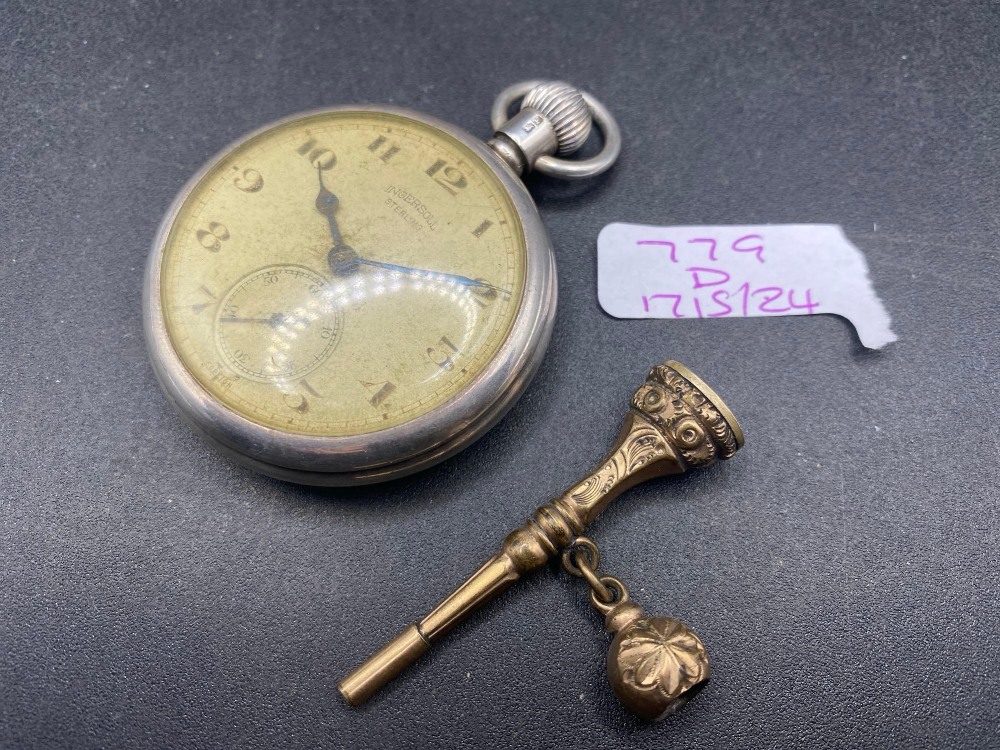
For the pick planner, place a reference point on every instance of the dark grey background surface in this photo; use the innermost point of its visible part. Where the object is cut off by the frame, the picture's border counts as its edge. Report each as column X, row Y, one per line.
column 842, row 569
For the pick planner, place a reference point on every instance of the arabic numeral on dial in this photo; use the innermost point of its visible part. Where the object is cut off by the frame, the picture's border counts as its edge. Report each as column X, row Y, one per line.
column 447, row 177
column 212, row 238
column 296, row 402
column 296, row 399
column 327, row 332
column 378, row 145
column 440, row 356
column 321, row 158
column 380, row 392
column 483, row 296
column 212, row 299
column 250, row 181
column 270, row 277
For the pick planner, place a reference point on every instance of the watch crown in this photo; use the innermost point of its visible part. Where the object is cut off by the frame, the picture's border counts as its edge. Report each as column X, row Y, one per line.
column 554, row 117
column 566, row 109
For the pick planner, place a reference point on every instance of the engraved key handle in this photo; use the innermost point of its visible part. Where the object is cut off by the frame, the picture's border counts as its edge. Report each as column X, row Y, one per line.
column 675, row 423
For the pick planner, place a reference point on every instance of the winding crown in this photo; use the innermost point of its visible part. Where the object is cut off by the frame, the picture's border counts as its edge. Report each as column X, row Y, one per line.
column 566, row 109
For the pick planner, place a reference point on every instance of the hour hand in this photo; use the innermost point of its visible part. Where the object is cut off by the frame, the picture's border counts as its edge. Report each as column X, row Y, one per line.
column 326, row 204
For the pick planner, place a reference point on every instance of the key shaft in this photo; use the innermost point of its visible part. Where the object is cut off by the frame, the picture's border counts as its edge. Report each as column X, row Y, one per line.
column 675, row 423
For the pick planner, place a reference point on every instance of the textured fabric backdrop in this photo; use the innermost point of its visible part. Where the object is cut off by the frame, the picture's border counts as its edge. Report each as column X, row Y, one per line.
column 841, row 569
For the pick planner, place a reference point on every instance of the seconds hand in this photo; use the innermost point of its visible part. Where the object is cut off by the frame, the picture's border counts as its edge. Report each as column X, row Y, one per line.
column 274, row 321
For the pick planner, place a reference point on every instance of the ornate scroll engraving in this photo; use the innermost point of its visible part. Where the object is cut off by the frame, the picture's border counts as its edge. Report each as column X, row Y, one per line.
column 642, row 445
column 685, row 416
column 673, row 426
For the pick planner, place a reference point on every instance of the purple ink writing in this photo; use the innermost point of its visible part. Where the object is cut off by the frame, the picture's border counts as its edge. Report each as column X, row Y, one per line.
column 698, row 276
column 750, row 300
column 750, row 243
column 673, row 247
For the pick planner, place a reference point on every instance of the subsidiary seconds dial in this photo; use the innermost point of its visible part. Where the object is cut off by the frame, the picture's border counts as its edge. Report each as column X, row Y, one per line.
column 278, row 324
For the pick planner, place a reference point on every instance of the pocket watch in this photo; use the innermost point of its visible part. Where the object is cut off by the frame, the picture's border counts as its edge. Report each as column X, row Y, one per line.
column 353, row 294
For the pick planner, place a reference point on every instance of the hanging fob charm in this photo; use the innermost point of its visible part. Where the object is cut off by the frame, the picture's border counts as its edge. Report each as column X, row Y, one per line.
column 655, row 664
column 675, row 423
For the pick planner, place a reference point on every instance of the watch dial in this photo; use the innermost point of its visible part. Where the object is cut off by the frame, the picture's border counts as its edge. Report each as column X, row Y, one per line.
column 342, row 273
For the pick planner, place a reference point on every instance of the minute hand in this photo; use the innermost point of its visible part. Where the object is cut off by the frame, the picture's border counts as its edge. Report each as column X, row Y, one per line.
column 463, row 280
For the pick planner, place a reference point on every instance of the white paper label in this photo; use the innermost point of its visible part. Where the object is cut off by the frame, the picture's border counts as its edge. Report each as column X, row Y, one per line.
column 738, row 272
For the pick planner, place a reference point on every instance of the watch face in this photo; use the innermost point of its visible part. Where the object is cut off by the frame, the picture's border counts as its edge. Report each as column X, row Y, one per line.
column 342, row 273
